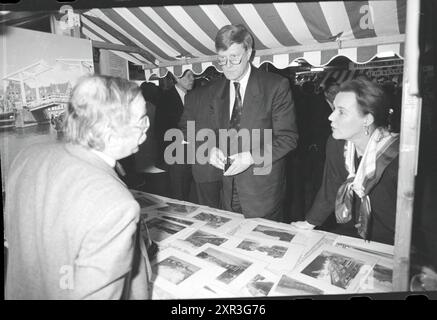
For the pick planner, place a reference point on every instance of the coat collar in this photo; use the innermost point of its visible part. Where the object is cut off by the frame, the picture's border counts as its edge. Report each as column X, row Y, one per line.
column 91, row 158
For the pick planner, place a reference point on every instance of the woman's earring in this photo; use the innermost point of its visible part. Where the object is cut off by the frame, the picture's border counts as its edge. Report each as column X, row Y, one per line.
column 366, row 130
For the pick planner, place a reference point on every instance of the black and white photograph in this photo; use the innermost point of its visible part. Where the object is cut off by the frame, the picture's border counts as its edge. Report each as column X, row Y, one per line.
column 380, row 278
column 234, row 265
column 181, row 274
column 160, row 229
column 290, row 287
column 147, row 201
column 174, row 270
column 199, row 238
column 258, row 286
column 178, row 208
column 335, row 270
column 212, row 220
column 224, row 149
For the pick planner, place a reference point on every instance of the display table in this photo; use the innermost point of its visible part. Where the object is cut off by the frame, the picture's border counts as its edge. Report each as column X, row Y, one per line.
column 209, row 253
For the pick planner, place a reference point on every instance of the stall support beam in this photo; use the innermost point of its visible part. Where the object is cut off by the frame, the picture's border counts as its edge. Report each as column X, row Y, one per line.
column 409, row 145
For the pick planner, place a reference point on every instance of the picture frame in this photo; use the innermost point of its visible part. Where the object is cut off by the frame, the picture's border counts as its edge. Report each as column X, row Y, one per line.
column 335, row 270
column 219, row 222
column 287, row 286
column 163, row 231
column 181, row 274
column 280, row 256
column 146, row 201
column 237, row 269
column 198, row 239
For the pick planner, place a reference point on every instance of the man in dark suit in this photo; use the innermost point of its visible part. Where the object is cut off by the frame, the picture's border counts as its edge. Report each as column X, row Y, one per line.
column 168, row 115
column 207, row 178
column 251, row 101
column 319, row 130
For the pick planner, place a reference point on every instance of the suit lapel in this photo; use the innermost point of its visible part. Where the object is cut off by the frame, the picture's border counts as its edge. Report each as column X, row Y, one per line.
column 252, row 100
column 220, row 104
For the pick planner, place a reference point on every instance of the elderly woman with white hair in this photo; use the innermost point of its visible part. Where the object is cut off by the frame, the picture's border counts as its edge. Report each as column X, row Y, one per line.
column 70, row 222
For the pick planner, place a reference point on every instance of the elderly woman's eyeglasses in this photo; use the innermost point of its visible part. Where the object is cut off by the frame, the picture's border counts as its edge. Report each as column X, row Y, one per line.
column 235, row 60
column 144, row 126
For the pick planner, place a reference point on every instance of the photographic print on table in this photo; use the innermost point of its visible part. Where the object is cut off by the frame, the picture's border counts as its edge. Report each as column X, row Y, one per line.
column 238, row 269
column 287, row 286
column 186, row 221
column 335, row 270
column 181, row 274
column 147, row 201
column 380, row 278
column 259, row 285
column 174, row 270
column 281, row 256
column 216, row 221
column 194, row 242
column 161, row 230
column 273, row 233
column 371, row 247
column 178, row 208
column 234, row 265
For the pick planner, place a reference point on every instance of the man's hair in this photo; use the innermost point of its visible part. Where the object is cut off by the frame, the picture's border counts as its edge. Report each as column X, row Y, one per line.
column 230, row 34
column 370, row 99
column 99, row 105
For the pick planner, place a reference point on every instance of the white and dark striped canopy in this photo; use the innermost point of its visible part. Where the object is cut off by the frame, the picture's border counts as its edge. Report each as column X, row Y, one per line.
column 176, row 38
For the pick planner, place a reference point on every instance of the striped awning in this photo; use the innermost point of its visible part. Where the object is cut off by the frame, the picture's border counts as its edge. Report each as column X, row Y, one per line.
column 176, row 38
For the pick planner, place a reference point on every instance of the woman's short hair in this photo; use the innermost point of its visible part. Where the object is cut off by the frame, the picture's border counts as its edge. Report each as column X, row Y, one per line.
column 230, row 34
column 99, row 105
column 371, row 98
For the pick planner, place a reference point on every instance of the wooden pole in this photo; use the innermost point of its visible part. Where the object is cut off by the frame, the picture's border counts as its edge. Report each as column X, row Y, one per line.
column 409, row 145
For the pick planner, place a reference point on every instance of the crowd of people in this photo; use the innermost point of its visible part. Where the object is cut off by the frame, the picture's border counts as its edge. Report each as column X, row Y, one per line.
column 71, row 223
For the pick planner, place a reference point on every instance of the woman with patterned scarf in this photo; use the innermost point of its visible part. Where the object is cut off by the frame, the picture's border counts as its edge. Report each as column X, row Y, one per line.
column 360, row 175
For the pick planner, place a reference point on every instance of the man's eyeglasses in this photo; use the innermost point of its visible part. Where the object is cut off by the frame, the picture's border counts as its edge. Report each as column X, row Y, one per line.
column 222, row 61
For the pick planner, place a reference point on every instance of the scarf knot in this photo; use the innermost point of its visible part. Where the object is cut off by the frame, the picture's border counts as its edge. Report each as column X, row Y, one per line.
column 381, row 149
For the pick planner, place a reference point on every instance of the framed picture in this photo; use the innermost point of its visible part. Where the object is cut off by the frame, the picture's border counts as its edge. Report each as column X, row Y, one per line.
column 177, row 218
column 177, row 208
column 288, row 286
column 380, row 279
column 335, row 270
column 146, row 201
column 237, row 268
column 181, row 274
column 163, row 231
column 280, row 256
column 219, row 222
column 370, row 247
column 263, row 228
column 259, row 284
column 195, row 241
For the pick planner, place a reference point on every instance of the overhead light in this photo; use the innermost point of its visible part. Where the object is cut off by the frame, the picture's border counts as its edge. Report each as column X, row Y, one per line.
column 387, row 54
column 317, row 69
column 3, row 13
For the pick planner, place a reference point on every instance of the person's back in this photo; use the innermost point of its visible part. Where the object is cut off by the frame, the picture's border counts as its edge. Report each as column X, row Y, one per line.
column 60, row 200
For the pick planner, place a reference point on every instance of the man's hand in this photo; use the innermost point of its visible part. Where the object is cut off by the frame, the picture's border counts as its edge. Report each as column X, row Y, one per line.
column 304, row 225
column 217, row 158
column 240, row 162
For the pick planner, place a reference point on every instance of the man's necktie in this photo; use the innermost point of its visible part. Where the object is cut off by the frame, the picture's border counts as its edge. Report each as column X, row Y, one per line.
column 235, row 124
column 238, row 109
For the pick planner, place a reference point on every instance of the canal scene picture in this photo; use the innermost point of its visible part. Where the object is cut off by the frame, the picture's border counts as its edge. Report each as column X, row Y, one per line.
column 38, row 71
